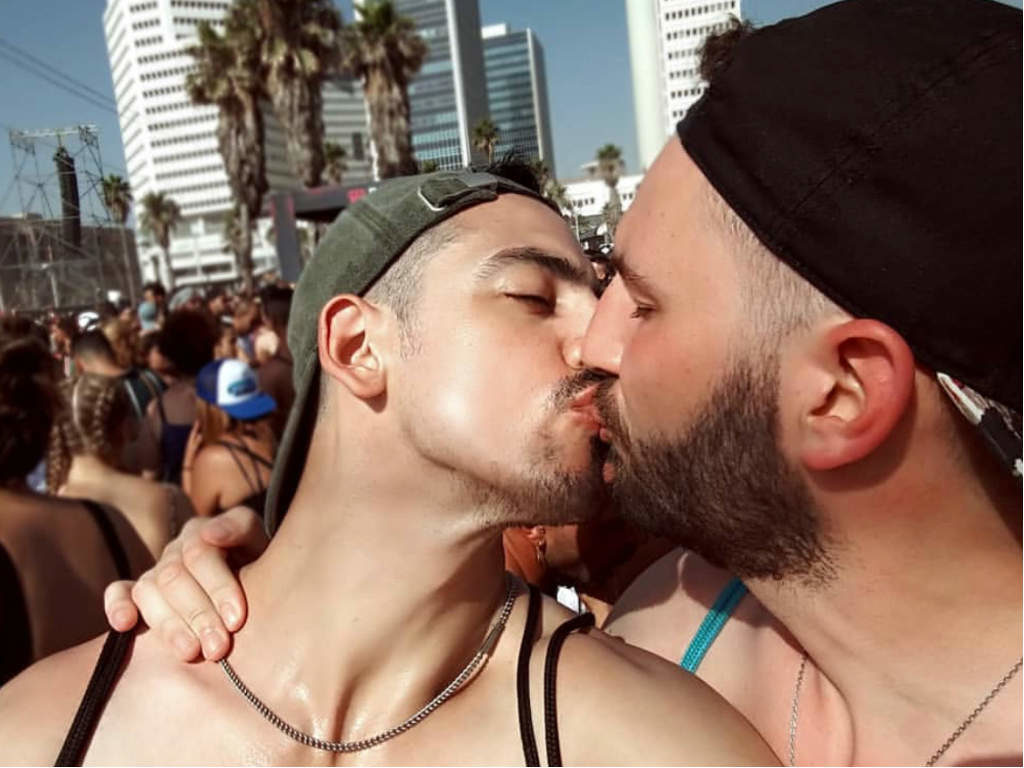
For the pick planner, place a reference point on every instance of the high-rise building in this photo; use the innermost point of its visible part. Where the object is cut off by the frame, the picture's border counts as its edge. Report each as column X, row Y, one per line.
column 517, row 93
column 448, row 96
column 170, row 144
column 665, row 38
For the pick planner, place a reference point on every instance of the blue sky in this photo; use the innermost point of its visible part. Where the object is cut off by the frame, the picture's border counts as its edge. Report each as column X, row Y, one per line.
column 584, row 40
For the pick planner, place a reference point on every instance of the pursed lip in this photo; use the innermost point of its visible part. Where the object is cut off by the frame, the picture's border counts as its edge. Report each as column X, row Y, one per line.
column 584, row 406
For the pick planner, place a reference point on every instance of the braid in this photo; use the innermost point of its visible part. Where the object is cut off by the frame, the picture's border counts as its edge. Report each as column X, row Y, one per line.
column 94, row 407
column 58, row 456
column 102, row 426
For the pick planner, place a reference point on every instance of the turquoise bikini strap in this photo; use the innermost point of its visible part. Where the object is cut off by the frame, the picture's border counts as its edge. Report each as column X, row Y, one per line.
column 727, row 600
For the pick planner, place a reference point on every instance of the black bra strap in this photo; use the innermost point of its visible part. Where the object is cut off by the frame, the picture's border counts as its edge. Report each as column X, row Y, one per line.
column 530, row 754
column 106, row 527
column 583, row 621
column 112, row 657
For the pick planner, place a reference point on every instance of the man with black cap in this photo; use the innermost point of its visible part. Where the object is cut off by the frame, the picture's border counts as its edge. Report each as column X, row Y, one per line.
column 816, row 285
column 439, row 398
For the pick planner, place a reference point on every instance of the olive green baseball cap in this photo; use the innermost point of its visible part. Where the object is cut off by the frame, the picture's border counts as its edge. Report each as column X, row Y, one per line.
column 362, row 243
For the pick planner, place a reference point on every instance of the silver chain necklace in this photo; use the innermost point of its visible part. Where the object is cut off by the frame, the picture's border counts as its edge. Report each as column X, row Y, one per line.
column 794, row 712
column 357, row 746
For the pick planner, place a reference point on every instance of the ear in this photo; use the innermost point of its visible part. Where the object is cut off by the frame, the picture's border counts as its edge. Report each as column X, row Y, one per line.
column 858, row 384
column 347, row 351
column 537, row 535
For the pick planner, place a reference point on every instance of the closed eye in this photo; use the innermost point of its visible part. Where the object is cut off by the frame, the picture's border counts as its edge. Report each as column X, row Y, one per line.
column 540, row 302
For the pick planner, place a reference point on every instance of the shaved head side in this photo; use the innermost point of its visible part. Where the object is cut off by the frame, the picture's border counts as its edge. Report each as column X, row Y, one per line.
column 778, row 300
column 399, row 287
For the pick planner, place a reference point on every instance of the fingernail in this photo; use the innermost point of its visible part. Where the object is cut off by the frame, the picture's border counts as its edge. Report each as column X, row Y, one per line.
column 184, row 643
column 213, row 642
column 230, row 614
column 123, row 617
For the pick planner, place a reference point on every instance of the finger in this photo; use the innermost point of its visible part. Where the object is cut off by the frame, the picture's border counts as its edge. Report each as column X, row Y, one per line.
column 241, row 529
column 117, row 604
column 160, row 617
column 190, row 603
column 208, row 567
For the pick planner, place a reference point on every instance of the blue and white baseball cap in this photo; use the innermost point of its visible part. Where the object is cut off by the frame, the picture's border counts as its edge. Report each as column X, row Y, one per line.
column 232, row 386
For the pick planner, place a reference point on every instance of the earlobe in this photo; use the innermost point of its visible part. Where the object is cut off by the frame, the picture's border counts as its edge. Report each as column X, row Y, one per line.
column 867, row 371
column 347, row 350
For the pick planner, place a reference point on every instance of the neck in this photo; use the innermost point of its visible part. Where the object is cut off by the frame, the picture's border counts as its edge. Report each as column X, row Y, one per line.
column 921, row 621
column 87, row 469
column 376, row 590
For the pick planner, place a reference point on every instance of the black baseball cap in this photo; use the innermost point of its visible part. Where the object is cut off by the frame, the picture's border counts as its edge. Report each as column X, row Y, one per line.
column 875, row 147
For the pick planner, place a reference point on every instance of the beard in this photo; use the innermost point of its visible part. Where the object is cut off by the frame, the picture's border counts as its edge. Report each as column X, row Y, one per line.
column 722, row 488
column 545, row 494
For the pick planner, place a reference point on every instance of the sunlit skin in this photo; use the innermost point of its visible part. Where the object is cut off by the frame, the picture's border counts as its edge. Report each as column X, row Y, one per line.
column 383, row 577
column 926, row 541
column 666, row 322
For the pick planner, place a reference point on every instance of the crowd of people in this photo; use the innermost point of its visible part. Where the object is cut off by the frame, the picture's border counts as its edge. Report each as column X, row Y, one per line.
column 777, row 445
column 124, row 414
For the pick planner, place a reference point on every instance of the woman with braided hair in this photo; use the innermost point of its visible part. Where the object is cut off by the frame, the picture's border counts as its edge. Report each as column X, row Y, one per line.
column 84, row 460
column 56, row 554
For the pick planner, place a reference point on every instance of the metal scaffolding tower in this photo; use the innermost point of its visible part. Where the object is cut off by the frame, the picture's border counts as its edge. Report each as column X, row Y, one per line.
column 63, row 250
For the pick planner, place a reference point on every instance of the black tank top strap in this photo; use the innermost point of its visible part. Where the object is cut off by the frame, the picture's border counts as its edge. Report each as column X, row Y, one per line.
column 526, row 733
column 582, row 622
column 253, row 456
column 254, row 485
column 106, row 527
column 108, row 667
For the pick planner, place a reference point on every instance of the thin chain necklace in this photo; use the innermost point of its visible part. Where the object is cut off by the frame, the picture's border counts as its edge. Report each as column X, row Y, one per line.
column 795, row 712
column 482, row 653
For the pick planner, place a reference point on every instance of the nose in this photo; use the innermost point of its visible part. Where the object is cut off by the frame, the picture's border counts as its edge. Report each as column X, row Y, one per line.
column 606, row 335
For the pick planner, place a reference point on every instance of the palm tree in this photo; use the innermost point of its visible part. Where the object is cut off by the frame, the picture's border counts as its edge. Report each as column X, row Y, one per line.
column 299, row 49
column 227, row 75
column 485, row 138
column 158, row 218
column 384, row 51
column 541, row 172
column 609, row 166
column 557, row 194
column 334, row 158
column 117, row 197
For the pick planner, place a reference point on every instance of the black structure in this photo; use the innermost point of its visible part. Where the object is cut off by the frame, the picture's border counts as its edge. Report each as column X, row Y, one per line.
column 320, row 205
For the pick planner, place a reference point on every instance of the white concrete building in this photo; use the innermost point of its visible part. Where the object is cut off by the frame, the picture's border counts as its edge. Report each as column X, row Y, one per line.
column 589, row 196
column 170, row 145
column 665, row 37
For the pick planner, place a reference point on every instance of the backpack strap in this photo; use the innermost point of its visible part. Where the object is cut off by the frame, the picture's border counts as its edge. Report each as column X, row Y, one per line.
column 529, row 740
column 582, row 622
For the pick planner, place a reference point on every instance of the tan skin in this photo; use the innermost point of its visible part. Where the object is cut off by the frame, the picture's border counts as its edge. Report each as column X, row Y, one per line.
column 156, row 511
column 379, row 648
column 929, row 527
column 63, row 564
column 213, row 481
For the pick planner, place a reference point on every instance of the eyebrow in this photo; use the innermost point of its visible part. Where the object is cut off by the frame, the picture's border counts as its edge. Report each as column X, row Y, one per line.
column 628, row 274
column 557, row 265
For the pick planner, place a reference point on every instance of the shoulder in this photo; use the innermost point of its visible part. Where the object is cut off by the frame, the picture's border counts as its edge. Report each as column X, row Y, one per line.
column 212, row 456
column 661, row 714
column 663, row 608
column 38, row 706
